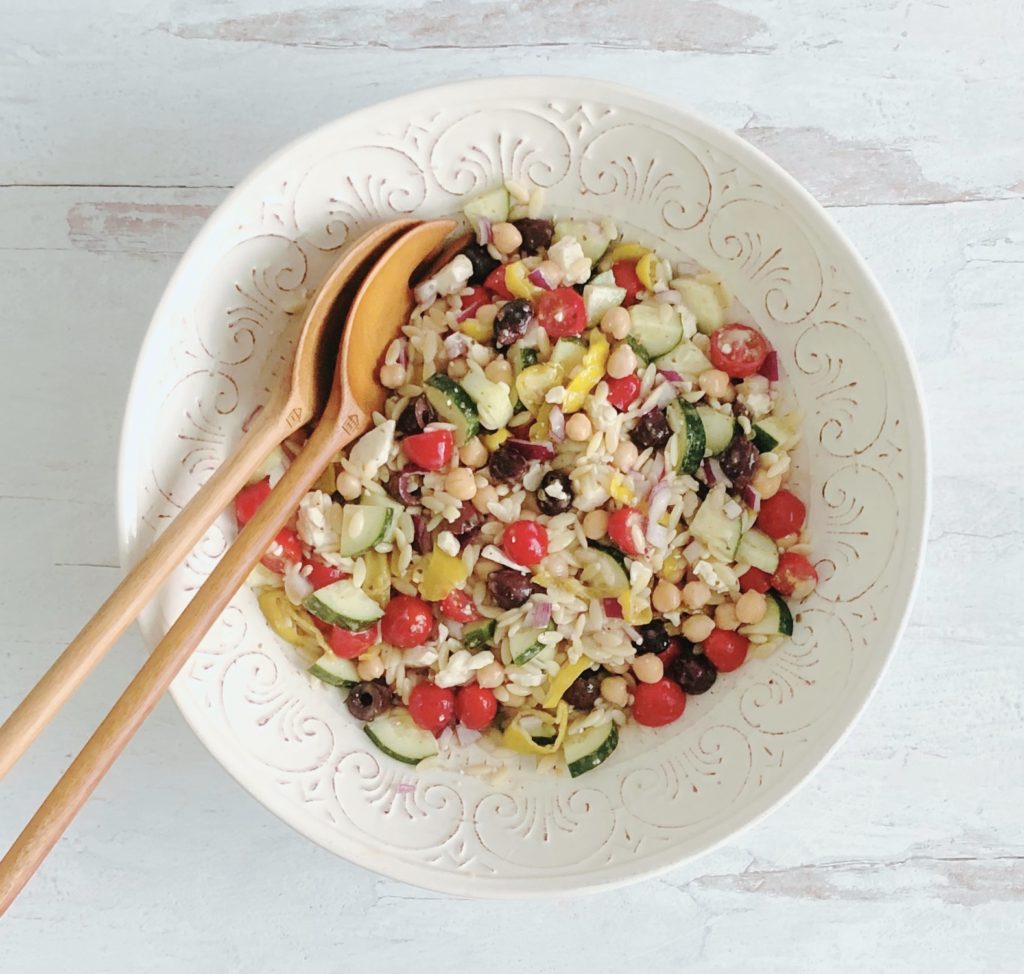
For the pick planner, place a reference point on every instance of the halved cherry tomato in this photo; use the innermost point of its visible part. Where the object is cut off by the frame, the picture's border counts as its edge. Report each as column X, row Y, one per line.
column 525, row 542
column 472, row 302
column 657, row 704
column 727, row 650
column 794, row 576
column 475, row 706
column 622, row 392
column 625, row 276
column 459, row 606
column 738, row 350
column 407, row 622
column 249, row 500
column 290, row 550
column 674, row 651
column 755, row 580
column 781, row 515
column 323, row 574
column 430, row 450
column 612, row 608
column 432, row 707
column 495, row 283
column 626, row 528
column 561, row 312
column 349, row 645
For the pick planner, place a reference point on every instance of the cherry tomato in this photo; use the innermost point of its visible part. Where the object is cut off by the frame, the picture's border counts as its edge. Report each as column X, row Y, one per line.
column 349, row 645
column 781, row 515
column 625, row 276
column 471, row 303
column 626, row 528
column 290, row 550
column 657, row 704
column 612, row 608
column 495, row 283
column 459, row 606
column 430, row 450
column 475, row 706
column 432, row 707
column 249, row 500
column 323, row 574
column 561, row 312
column 622, row 392
column 738, row 350
column 674, row 651
column 407, row 622
column 727, row 650
column 755, row 580
column 525, row 542
column 795, row 576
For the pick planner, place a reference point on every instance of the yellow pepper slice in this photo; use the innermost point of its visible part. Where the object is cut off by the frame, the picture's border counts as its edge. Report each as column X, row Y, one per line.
column 564, row 679
column 533, row 384
column 291, row 622
column 377, row 583
column 517, row 282
column 476, row 330
column 635, row 611
column 517, row 739
column 674, row 568
column 444, row 572
column 621, row 489
column 591, row 372
column 541, row 429
column 627, row 250
column 646, row 270
column 493, row 440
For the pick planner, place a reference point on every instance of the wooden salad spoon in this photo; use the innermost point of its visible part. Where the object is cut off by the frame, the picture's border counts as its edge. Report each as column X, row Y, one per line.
column 298, row 398
column 380, row 309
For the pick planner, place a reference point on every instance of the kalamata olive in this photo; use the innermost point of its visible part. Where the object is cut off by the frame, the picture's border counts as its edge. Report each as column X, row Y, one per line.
column 555, row 494
column 509, row 588
column 511, row 322
column 467, row 525
column 651, row 430
column 584, row 691
column 368, row 700
column 694, row 674
column 508, row 464
column 416, row 415
column 536, row 234
column 739, row 461
column 653, row 638
column 740, row 409
column 483, row 263
column 404, row 486
column 422, row 542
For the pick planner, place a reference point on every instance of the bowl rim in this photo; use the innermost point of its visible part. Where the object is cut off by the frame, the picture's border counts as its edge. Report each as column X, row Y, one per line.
column 916, row 523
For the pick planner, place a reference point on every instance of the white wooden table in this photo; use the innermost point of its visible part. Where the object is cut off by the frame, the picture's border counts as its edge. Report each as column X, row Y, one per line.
column 122, row 125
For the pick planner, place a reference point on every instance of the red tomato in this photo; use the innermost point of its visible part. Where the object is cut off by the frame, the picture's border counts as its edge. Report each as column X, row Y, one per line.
column 290, row 550
column 657, row 704
column 323, row 574
column 349, row 645
column 525, row 542
column 472, row 302
column 459, row 606
column 626, row 528
column 432, row 707
column 431, row 450
column 495, row 283
column 612, row 608
column 755, row 580
column 249, row 500
column 625, row 276
column 670, row 655
column 622, row 392
column 738, row 350
column 475, row 706
column 781, row 515
column 727, row 650
column 407, row 622
column 795, row 576
column 561, row 312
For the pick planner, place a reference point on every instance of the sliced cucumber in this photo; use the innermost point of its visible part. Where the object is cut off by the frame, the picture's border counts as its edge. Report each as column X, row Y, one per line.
column 641, row 353
column 757, row 549
column 599, row 299
column 453, row 405
column 590, row 236
column 343, row 604
column 604, row 570
column 399, row 737
column 526, row 644
column 521, row 357
column 363, row 526
column 701, row 299
column 334, row 671
column 604, row 279
column 492, row 205
column 477, row 635
column 719, row 429
column 771, row 433
column 568, row 353
column 688, row 429
column 493, row 399
column 686, row 359
column 657, row 327
column 777, row 621
column 585, row 751
column 712, row 526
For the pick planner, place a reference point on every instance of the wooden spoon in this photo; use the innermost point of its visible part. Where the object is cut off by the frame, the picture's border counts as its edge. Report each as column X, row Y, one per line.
column 298, row 397
column 380, row 309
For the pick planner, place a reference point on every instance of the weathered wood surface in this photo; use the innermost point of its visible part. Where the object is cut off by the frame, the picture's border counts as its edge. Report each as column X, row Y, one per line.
column 122, row 125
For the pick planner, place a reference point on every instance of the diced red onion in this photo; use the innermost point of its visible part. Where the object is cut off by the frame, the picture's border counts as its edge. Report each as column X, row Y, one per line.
column 770, row 367
column 532, row 450
column 494, row 553
column 612, row 608
column 540, row 614
column 483, row 231
column 456, row 345
column 671, row 375
column 556, row 423
column 751, row 497
column 709, row 473
column 537, row 277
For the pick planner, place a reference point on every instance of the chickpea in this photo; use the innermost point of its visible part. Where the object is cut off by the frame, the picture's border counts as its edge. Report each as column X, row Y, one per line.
column 725, row 617
column 473, row 453
column 392, row 376
column 460, row 483
column 665, row 597
column 490, row 676
column 499, row 370
column 766, row 486
column 506, row 237
column 371, row 668
column 697, row 628
column 714, row 383
column 616, row 323
column 595, row 525
column 621, row 362
column 751, row 607
column 648, row 668
column 458, row 368
column 696, row 595
column 348, row 486
column 579, row 428
column 483, row 497
column 625, row 455
column 615, row 691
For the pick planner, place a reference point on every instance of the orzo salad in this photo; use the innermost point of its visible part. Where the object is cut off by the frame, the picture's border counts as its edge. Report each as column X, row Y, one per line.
column 571, row 515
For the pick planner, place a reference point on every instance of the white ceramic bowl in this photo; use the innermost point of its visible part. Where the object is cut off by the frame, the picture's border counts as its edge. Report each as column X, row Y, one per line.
column 697, row 191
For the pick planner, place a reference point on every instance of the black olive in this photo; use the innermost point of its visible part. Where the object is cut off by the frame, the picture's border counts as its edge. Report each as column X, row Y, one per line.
column 508, row 464
column 368, row 700
column 694, row 674
column 584, row 691
column 416, row 415
column 483, row 263
column 651, row 430
column 554, row 496
column 422, row 542
column 739, row 461
column 509, row 588
column 511, row 322
column 467, row 525
column 536, row 234
column 653, row 638
column 404, row 486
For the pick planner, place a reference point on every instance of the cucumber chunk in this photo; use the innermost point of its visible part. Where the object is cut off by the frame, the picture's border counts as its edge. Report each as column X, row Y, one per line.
column 686, row 359
column 719, row 430
column 399, row 737
column 477, row 635
column 493, row 400
column 719, row 533
column 343, row 604
column 771, row 433
column 599, row 299
column 657, row 327
column 453, row 405
column 568, row 353
column 777, row 621
column 526, row 644
column 363, row 526
column 757, row 549
column 604, row 570
column 492, row 205
column 689, row 433
column 334, row 671
column 584, row 752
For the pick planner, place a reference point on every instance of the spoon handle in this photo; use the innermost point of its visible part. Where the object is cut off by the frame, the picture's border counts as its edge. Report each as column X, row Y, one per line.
column 124, row 604
column 163, row 664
